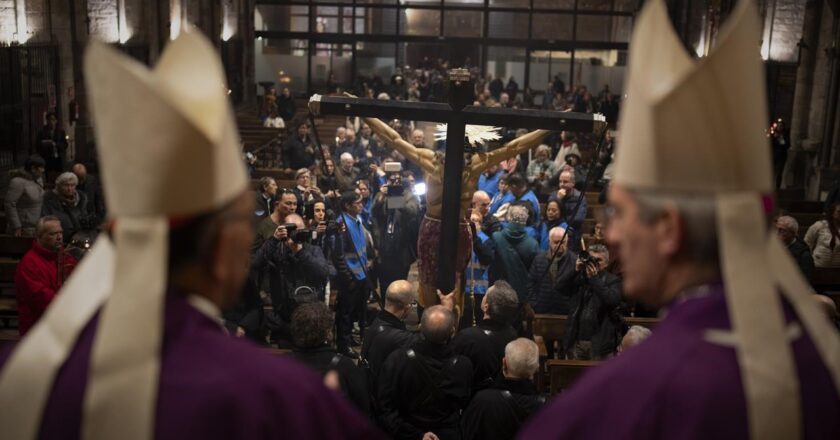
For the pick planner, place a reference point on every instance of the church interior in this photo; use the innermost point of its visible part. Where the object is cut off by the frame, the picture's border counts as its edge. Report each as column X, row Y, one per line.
column 265, row 193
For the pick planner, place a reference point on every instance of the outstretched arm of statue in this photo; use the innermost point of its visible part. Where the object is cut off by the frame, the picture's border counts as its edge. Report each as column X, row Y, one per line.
column 511, row 149
column 424, row 158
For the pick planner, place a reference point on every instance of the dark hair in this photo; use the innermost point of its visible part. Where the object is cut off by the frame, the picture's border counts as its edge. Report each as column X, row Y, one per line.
column 348, row 198
column 311, row 325
column 34, row 161
column 832, row 226
column 517, row 180
column 559, row 208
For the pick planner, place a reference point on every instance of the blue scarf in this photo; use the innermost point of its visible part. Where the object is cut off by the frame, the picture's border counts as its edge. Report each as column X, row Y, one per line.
column 356, row 261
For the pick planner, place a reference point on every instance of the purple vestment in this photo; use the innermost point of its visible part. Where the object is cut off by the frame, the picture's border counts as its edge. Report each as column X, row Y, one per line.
column 213, row 386
column 676, row 385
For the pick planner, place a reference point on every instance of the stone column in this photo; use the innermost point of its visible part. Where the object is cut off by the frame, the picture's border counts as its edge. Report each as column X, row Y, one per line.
column 809, row 46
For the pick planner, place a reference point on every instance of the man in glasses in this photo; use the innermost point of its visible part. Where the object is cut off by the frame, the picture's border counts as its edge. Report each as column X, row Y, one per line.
column 593, row 327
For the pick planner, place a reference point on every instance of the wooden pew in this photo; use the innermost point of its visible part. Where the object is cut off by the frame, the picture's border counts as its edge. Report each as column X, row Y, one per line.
column 563, row 373
column 14, row 247
column 7, row 270
column 826, row 278
column 649, row 323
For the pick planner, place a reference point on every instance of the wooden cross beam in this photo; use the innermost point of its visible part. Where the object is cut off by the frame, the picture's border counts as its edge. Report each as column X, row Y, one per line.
column 457, row 114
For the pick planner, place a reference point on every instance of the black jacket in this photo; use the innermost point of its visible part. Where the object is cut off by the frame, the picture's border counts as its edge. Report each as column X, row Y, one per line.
column 498, row 412
column 298, row 154
column 396, row 245
column 549, row 291
column 74, row 217
column 263, row 207
column 484, row 345
column 287, row 271
column 802, row 254
column 593, row 315
column 386, row 334
column 354, row 384
column 423, row 388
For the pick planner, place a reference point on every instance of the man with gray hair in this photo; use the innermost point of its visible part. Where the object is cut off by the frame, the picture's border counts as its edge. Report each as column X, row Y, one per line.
column 485, row 343
column 499, row 411
column 423, row 389
column 514, row 250
column 346, row 174
column 787, row 229
column 69, row 205
column 634, row 336
column 593, row 328
column 744, row 351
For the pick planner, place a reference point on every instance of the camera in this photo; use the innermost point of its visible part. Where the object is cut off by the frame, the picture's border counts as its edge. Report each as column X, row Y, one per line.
column 297, row 235
column 396, row 189
column 585, row 257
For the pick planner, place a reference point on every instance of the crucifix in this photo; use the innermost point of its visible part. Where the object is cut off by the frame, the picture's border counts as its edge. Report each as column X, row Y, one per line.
column 445, row 240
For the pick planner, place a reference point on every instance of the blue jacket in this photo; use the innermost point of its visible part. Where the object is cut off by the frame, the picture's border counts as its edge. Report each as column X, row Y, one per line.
column 490, row 185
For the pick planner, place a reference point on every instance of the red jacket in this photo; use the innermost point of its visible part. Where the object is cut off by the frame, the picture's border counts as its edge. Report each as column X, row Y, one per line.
column 37, row 280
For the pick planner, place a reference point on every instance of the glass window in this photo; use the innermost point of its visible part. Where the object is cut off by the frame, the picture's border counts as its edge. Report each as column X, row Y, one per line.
column 621, row 29
column 420, row 22
column 552, row 26
column 462, row 24
column 281, row 18
column 376, row 2
column 506, row 62
column 374, row 59
column 376, row 21
column 555, row 4
column 546, row 67
column 331, row 64
column 281, row 61
column 508, row 25
column 475, row 3
column 510, row 3
column 626, row 5
column 333, row 20
column 593, row 28
column 598, row 70
column 594, row 5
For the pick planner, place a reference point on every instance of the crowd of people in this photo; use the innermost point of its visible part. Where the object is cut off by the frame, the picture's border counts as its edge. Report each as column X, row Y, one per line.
column 332, row 252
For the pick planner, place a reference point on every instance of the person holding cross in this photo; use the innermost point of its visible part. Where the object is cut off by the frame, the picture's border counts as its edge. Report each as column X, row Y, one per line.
column 431, row 163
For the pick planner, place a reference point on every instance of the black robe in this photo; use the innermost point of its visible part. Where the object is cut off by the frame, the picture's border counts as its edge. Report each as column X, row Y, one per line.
column 499, row 411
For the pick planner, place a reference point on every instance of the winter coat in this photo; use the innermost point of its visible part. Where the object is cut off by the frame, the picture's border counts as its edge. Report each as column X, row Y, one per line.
column 23, row 202
column 592, row 313
column 75, row 216
column 39, row 276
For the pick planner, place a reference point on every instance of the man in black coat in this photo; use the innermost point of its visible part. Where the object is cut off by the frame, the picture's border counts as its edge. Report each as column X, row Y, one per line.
column 787, row 228
column 311, row 330
column 298, row 151
column 547, row 284
column 395, row 228
column 290, row 265
column 387, row 332
column 485, row 344
column 423, row 389
column 593, row 328
column 499, row 411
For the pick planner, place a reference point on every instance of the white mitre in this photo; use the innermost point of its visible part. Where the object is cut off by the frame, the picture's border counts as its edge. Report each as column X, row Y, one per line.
column 684, row 129
column 169, row 149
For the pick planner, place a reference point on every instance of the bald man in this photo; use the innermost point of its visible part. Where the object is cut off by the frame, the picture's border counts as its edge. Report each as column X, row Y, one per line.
column 498, row 412
column 423, row 389
column 387, row 332
column 476, row 282
column 289, row 264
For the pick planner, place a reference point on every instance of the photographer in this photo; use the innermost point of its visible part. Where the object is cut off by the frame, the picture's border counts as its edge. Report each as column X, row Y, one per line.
column 291, row 262
column 593, row 328
column 395, row 221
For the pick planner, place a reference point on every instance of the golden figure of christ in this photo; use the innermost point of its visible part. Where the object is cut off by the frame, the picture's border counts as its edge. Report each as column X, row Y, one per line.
column 432, row 166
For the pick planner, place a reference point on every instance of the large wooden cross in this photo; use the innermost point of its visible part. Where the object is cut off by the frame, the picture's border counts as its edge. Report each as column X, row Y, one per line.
column 456, row 114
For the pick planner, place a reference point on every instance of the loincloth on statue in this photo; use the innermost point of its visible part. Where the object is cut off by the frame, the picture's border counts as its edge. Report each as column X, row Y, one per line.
column 427, row 258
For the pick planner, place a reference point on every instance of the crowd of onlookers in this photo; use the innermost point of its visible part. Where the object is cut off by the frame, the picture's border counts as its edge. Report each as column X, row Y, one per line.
column 332, row 251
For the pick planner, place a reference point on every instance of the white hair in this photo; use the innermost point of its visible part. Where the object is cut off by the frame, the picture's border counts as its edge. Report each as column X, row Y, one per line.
column 543, row 147
column 789, row 223
column 635, row 335
column 66, row 177
column 346, row 156
column 517, row 214
column 522, row 357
